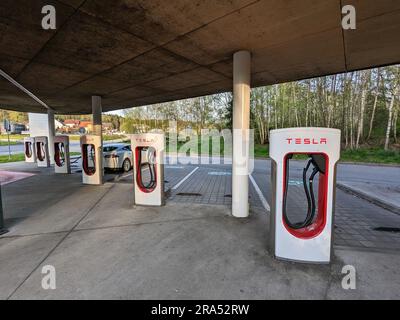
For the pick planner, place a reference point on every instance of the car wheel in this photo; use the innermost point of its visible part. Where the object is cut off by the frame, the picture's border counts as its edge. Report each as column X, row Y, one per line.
column 126, row 165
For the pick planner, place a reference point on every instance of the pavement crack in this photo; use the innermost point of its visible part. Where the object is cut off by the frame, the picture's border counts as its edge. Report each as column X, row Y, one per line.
column 146, row 223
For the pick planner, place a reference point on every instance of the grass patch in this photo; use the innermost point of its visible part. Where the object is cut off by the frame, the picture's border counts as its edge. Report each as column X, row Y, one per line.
column 13, row 136
column 12, row 143
column 365, row 155
column 21, row 157
column 261, row 151
column 371, row 155
column 14, row 158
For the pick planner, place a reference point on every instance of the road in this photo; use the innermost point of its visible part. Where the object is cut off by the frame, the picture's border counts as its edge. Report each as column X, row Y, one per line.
column 384, row 178
column 346, row 172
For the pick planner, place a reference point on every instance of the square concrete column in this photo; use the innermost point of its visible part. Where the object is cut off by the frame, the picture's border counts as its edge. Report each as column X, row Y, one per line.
column 96, row 113
column 52, row 133
column 241, row 134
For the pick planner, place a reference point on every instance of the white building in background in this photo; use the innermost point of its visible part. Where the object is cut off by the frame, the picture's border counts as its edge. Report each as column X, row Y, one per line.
column 58, row 125
column 39, row 126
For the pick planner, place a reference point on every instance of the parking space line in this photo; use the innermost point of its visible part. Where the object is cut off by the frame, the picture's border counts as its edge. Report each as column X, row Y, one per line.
column 260, row 195
column 184, row 179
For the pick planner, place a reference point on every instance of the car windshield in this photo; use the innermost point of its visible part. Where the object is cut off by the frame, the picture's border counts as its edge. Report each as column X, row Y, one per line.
column 109, row 148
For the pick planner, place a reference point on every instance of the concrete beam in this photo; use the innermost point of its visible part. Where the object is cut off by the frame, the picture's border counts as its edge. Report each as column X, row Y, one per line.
column 151, row 52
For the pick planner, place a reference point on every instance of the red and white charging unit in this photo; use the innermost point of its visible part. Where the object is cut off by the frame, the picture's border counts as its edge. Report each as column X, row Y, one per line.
column 42, row 151
column 62, row 162
column 30, row 149
column 92, row 159
column 148, row 168
column 310, row 239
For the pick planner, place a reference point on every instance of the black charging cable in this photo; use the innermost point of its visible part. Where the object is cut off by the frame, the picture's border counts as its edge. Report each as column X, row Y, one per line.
column 152, row 170
column 315, row 161
column 28, row 149
column 59, row 154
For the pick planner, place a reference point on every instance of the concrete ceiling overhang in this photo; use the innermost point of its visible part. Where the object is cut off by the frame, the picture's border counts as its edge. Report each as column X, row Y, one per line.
column 137, row 52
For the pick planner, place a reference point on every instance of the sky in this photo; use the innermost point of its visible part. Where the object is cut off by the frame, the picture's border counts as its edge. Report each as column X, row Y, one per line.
column 116, row 112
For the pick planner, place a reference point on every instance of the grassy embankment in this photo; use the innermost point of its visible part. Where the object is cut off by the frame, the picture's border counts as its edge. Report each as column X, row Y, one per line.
column 362, row 155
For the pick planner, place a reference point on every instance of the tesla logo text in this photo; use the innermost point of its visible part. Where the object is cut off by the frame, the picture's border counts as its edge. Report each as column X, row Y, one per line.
column 306, row 141
column 148, row 140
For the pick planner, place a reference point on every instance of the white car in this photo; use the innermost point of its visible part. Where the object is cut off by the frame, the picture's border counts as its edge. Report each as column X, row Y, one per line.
column 117, row 156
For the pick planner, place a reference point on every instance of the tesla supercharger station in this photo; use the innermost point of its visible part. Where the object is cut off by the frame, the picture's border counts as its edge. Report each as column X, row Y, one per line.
column 30, row 150
column 92, row 159
column 42, row 151
column 148, row 168
column 61, row 155
column 301, row 234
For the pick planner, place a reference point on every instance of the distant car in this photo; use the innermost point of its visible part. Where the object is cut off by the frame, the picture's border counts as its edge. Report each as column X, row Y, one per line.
column 117, row 156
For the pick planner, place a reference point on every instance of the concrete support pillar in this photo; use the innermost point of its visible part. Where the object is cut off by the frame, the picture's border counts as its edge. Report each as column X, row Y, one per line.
column 52, row 133
column 96, row 112
column 3, row 229
column 241, row 126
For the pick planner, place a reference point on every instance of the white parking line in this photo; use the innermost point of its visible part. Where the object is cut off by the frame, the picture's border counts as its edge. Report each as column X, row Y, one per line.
column 260, row 195
column 184, row 179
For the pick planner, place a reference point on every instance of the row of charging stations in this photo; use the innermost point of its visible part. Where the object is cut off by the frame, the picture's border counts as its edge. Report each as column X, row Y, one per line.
column 37, row 150
column 147, row 152
column 308, row 239
column 148, row 168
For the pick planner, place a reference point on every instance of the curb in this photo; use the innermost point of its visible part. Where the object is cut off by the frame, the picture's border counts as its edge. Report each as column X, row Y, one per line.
column 368, row 197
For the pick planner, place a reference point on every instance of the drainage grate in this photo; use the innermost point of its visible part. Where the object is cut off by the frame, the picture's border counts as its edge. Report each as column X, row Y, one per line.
column 387, row 229
column 189, row 194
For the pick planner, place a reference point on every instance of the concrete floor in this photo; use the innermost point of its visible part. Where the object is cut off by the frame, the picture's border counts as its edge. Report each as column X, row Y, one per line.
column 103, row 247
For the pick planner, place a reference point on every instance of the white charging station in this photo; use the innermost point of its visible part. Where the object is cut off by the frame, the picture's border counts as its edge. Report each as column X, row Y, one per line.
column 62, row 162
column 42, row 151
column 30, row 149
column 310, row 239
column 148, row 168
column 92, row 159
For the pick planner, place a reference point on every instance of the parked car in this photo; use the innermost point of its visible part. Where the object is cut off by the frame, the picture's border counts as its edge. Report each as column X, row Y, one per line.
column 117, row 156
